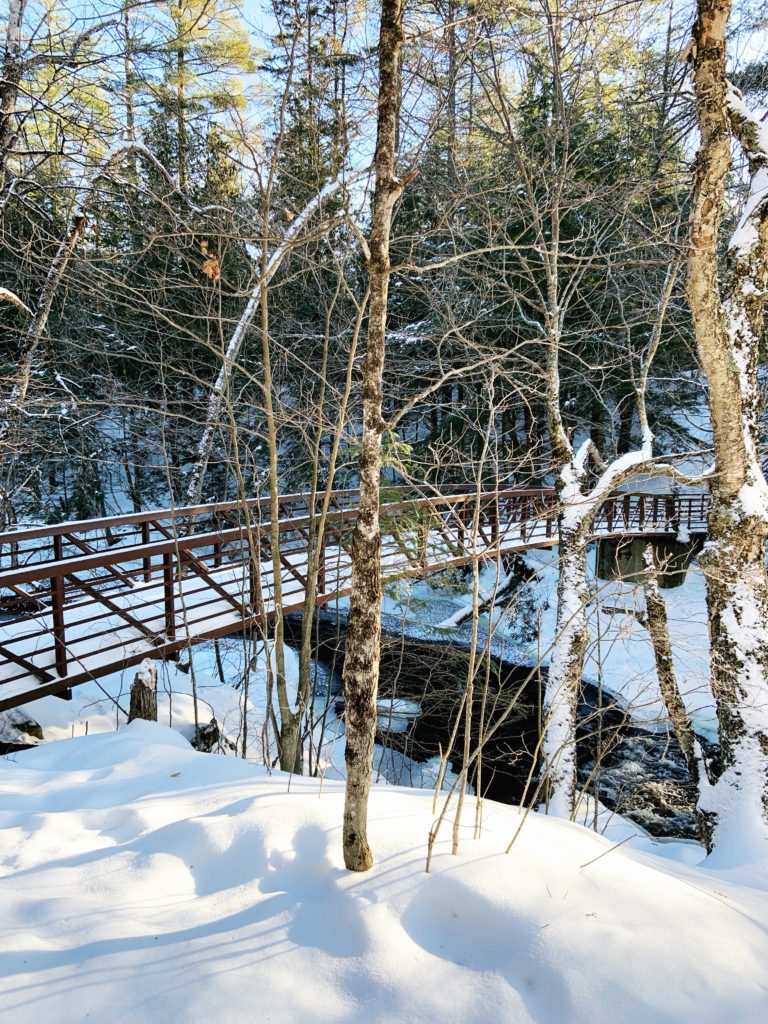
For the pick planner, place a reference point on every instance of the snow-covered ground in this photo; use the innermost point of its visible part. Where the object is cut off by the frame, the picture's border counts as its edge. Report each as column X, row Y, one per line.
column 143, row 882
column 101, row 706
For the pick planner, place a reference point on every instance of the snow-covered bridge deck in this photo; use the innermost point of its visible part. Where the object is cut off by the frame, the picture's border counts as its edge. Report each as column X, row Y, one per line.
column 83, row 599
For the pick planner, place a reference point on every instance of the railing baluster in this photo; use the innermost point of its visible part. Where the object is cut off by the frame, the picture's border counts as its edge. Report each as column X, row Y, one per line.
column 671, row 517
column 170, row 597
column 146, row 562
column 57, row 611
column 320, row 581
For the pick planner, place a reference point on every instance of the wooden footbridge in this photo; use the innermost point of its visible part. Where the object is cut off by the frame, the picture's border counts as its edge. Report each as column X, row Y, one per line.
column 79, row 600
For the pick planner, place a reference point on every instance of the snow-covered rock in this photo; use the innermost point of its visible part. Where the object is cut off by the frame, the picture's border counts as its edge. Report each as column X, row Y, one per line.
column 18, row 730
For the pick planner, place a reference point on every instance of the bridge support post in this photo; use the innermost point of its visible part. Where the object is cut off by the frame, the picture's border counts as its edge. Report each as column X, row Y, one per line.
column 169, row 596
column 320, row 582
column 57, row 612
column 146, row 562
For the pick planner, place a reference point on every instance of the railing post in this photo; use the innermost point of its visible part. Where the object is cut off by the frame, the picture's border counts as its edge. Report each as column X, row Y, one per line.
column 672, row 519
column 146, row 562
column 170, row 599
column 494, row 519
column 627, row 511
column 609, row 512
column 320, row 581
column 57, row 612
column 254, row 562
column 526, row 512
column 641, row 512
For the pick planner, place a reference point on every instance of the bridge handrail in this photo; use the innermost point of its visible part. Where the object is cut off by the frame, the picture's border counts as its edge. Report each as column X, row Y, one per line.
column 24, row 533
column 116, row 554
column 33, row 571
column 130, row 518
column 186, row 512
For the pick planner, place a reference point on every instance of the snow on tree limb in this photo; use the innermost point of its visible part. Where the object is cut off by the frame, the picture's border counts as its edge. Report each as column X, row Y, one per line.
column 753, row 138
column 8, row 296
column 219, row 389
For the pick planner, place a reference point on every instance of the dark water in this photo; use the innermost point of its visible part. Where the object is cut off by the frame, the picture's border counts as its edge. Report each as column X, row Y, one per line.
column 641, row 771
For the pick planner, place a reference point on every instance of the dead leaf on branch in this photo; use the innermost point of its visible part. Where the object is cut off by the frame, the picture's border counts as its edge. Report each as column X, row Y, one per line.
column 211, row 267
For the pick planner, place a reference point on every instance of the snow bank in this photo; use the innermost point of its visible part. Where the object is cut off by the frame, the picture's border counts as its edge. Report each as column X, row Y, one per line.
column 141, row 881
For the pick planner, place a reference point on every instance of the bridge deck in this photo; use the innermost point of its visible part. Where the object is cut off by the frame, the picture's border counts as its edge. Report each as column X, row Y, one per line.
column 88, row 598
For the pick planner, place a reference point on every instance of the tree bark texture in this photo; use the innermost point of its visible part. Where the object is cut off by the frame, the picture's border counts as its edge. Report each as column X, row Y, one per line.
column 565, row 670
column 727, row 319
column 144, row 693
column 361, row 666
column 658, row 629
column 11, row 79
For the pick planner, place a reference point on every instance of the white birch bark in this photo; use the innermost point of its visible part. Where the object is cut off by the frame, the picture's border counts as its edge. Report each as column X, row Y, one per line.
column 578, row 506
column 232, row 352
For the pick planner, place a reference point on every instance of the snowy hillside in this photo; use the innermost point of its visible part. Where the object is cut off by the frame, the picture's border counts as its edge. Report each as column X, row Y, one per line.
column 143, row 882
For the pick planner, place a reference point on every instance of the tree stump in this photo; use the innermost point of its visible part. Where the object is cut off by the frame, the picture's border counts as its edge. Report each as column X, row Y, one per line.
column 144, row 693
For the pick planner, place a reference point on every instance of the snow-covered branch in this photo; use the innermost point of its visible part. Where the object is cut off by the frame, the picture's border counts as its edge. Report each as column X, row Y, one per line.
column 8, row 296
column 219, row 389
column 77, row 222
column 753, row 138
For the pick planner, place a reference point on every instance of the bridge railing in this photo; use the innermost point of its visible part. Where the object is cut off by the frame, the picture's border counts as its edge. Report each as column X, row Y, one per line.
column 83, row 598
column 165, row 577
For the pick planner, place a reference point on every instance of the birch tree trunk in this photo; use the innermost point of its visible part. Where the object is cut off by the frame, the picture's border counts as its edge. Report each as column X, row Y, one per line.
column 10, row 81
column 267, row 271
column 361, row 665
column 565, row 669
column 728, row 322
column 579, row 505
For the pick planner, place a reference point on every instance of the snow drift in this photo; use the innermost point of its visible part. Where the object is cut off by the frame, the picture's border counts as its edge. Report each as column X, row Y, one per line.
column 142, row 881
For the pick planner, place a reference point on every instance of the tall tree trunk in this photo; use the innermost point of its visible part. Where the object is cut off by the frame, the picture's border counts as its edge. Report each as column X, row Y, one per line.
column 728, row 323
column 10, row 80
column 566, row 667
column 578, row 505
column 658, row 630
column 361, row 665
